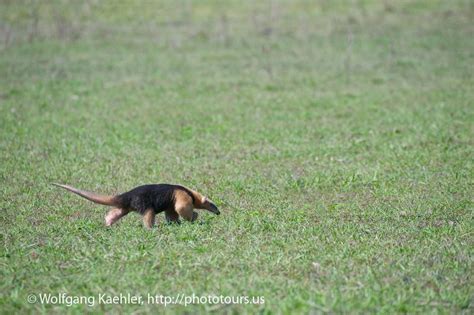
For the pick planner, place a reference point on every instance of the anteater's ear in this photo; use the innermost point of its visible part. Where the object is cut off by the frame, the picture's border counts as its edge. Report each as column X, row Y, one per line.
column 203, row 200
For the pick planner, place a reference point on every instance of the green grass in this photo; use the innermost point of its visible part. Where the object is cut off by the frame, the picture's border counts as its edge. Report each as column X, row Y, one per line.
column 336, row 138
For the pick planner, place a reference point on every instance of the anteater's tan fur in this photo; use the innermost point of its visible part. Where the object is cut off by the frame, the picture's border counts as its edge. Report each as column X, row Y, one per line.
column 175, row 200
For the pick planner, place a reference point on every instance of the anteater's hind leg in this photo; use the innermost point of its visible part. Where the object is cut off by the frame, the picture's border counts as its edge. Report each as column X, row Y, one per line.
column 149, row 218
column 114, row 215
column 172, row 216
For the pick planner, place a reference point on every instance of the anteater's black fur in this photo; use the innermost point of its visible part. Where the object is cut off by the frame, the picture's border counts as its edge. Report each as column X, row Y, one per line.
column 148, row 200
column 159, row 197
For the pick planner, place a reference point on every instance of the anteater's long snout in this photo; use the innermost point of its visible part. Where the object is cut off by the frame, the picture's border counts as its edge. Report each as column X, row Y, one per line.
column 213, row 208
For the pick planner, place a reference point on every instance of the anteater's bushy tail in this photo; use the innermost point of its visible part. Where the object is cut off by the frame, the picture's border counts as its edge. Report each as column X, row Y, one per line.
column 100, row 199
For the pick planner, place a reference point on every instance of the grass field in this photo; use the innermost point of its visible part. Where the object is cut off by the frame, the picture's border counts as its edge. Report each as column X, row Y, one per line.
column 336, row 137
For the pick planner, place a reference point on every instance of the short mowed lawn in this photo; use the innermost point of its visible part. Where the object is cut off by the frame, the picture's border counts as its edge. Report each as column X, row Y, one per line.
column 336, row 137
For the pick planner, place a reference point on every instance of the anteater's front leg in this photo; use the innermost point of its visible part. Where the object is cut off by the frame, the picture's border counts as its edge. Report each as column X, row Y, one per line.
column 114, row 215
column 172, row 216
column 149, row 218
column 186, row 212
column 184, row 206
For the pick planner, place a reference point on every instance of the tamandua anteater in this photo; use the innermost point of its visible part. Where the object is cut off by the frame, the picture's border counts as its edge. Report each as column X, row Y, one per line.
column 148, row 200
